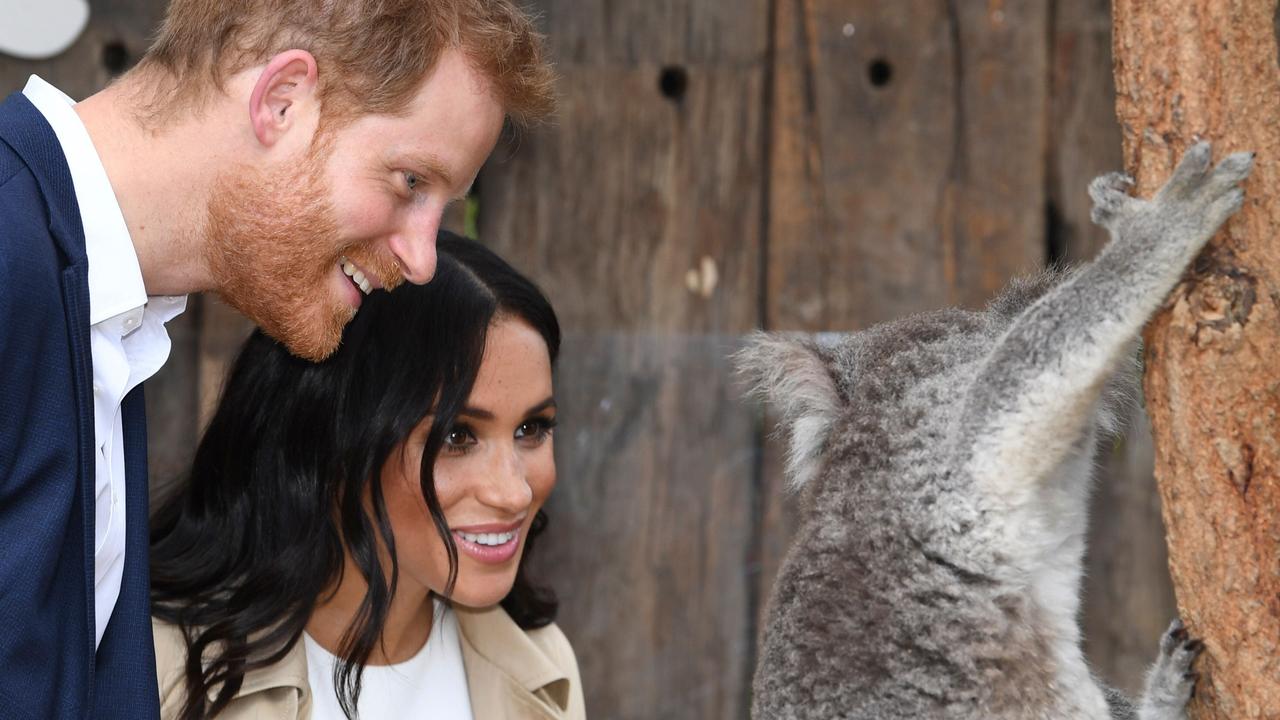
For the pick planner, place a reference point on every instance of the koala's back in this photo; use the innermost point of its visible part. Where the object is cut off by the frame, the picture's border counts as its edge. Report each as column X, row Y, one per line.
column 945, row 463
column 868, row 619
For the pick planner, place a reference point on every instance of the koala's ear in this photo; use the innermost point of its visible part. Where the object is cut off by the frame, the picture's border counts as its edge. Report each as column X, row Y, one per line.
column 792, row 376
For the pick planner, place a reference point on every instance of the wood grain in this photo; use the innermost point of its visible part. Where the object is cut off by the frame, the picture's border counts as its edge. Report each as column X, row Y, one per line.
column 1186, row 69
column 639, row 211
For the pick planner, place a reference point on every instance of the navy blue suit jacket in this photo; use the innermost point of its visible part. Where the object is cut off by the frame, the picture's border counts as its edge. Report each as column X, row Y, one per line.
column 48, row 665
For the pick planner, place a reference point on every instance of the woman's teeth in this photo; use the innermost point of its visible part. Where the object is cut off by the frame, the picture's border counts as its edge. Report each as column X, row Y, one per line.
column 354, row 273
column 487, row 538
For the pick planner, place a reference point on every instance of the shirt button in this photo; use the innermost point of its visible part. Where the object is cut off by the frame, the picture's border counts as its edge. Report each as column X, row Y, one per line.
column 131, row 322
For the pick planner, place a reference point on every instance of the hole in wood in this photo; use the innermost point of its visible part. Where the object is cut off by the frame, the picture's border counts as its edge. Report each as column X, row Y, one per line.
column 115, row 57
column 880, row 72
column 673, row 81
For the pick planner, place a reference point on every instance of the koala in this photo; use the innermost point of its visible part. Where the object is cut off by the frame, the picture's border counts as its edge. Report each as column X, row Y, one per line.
column 943, row 463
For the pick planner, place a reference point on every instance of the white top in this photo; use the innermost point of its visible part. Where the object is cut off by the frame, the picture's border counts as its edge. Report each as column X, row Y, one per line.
column 128, row 340
column 431, row 685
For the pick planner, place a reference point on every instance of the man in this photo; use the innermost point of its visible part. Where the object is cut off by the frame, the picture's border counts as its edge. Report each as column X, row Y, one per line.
column 291, row 156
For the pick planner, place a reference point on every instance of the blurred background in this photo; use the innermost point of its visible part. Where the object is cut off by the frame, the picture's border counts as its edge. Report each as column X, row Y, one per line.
column 719, row 166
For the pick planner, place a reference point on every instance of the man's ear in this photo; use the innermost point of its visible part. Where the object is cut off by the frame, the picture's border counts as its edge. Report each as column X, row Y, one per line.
column 286, row 87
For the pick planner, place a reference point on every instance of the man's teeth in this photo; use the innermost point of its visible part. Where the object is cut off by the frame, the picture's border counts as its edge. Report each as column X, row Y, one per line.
column 487, row 538
column 354, row 273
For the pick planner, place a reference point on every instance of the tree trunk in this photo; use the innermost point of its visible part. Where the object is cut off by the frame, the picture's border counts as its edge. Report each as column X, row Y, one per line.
column 1207, row 68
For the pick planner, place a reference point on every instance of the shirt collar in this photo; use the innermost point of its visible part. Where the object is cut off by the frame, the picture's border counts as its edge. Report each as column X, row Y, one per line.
column 115, row 278
column 494, row 649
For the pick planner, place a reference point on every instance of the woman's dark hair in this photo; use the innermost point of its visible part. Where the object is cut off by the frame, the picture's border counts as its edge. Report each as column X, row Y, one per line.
column 254, row 535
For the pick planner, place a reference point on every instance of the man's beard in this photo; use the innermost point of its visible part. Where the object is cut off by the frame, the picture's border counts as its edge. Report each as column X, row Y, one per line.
column 272, row 243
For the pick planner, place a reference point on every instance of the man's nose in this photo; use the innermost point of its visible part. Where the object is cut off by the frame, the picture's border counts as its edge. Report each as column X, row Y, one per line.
column 415, row 248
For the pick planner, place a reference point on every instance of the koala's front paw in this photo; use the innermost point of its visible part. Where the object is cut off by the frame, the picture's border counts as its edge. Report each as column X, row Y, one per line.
column 1186, row 212
column 1171, row 682
column 1198, row 200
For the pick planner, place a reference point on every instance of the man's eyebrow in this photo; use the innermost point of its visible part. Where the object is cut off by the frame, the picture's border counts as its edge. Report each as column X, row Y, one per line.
column 431, row 164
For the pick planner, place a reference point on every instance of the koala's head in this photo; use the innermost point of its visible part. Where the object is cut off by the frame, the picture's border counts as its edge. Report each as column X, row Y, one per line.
column 871, row 390
column 888, row 394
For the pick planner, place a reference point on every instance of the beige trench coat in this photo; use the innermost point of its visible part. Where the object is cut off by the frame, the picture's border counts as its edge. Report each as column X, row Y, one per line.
column 511, row 674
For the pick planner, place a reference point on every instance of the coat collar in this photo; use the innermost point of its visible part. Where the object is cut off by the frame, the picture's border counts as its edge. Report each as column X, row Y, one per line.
column 24, row 129
column 291, row 671
column 498, row 655
column 501, row 660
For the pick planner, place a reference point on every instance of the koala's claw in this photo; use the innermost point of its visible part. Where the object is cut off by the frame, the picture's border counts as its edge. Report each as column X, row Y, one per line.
column 1234, row 168
column 1173, row 637
column 1178, row 646
column 1192, row 178
column 1110, row 194
column 1172, row 682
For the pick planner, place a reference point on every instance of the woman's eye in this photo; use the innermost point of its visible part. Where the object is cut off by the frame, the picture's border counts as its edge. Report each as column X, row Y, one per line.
column 411, row 180
column 535, row 430
column 459, row 439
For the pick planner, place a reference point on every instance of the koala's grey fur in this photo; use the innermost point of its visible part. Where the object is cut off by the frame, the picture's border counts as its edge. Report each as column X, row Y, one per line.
column 944, row 463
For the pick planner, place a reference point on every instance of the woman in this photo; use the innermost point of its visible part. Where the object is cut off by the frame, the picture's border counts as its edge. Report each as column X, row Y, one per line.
column 354, row 534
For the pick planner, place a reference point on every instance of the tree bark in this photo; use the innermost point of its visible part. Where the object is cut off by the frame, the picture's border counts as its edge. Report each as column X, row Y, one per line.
column 1207, row 68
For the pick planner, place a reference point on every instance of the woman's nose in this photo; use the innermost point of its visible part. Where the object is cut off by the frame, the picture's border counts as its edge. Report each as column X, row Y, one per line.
column 506, row 486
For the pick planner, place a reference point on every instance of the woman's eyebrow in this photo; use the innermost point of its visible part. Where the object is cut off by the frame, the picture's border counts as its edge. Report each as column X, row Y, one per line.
column 482, row 414
column 474, row 412
column 547, row 404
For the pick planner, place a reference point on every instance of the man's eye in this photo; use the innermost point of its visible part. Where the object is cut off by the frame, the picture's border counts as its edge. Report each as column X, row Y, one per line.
column 411, row 180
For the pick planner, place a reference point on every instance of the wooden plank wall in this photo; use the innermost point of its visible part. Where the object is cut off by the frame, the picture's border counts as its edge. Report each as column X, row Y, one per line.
column 914, row 155
column 718, row 167
column 646, row 230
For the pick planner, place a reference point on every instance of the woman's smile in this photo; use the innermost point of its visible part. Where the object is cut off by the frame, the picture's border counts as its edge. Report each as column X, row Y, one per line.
column 492, row 548
column 493, row 543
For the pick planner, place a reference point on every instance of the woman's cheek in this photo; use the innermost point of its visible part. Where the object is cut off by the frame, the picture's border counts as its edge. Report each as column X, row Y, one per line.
column 450, row 478
column 543, row 480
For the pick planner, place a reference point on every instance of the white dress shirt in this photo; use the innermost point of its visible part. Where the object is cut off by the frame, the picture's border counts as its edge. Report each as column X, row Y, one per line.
column 128, row 339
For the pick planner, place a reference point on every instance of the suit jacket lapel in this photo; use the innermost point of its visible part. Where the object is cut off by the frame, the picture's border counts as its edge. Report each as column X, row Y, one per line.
column 75, row 299
column 126, row 657
column 24, row 129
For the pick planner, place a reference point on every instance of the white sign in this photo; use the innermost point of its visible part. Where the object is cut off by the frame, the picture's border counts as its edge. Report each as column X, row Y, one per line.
column 39, row 29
